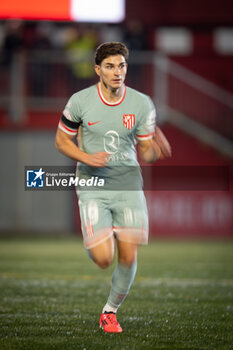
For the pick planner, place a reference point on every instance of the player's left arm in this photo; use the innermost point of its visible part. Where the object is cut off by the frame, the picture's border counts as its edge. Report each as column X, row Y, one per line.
column 149, row 150
column 153, row 144
column 160, row 139
column 155, row 148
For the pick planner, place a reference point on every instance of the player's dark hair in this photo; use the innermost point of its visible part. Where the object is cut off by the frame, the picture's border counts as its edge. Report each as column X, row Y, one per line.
column 110, row 49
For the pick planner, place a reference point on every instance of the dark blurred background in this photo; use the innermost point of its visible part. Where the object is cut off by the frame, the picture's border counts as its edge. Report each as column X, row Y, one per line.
column 181, row 54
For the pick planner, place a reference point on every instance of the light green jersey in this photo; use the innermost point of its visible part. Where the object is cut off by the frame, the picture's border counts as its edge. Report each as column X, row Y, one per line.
column 112, row 128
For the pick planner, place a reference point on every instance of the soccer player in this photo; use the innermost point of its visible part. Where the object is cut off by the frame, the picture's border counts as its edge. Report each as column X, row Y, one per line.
column 109, row 119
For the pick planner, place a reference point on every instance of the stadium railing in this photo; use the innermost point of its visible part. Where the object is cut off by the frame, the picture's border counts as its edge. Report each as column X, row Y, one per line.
column 42, row 81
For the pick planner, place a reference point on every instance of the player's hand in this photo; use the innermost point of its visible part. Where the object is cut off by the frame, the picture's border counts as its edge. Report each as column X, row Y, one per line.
column 163, row 143
column 99, row 159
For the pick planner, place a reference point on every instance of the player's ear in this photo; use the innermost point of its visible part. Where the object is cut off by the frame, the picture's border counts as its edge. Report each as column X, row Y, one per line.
column 97, row 69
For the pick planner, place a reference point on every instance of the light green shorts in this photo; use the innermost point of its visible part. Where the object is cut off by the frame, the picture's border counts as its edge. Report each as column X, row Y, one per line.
column 106, row 212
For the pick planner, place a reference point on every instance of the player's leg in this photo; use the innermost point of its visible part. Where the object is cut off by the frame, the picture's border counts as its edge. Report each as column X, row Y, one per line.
column 127, row 252
column 99, row 241
column 123, row 275
column 103, row 253
column 96, row 221
column 122, row 280
column 131, row 223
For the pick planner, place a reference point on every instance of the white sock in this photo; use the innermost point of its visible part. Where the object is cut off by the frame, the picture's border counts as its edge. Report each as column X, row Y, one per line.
column 108, row 308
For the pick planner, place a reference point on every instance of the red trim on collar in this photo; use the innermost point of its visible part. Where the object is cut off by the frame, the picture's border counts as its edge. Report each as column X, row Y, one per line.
column 111, row 104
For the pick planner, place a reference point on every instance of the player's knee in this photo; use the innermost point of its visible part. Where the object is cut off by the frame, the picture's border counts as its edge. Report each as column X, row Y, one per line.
column 128, row 260
column 103, row 254
column 103, row 263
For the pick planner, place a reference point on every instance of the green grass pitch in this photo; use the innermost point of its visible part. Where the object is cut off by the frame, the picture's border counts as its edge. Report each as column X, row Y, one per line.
column 51, row 296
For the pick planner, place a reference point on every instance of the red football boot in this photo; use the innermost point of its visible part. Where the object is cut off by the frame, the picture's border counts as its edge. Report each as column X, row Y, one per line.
column 108, row 323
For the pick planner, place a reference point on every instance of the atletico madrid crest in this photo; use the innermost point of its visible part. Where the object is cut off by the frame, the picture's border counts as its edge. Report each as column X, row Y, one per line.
column 129, row 121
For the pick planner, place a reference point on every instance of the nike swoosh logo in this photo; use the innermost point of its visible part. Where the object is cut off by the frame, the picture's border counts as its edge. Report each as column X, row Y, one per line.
column 89, row 123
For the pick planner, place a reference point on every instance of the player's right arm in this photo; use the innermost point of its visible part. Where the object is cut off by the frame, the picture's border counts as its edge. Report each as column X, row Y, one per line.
column 64, row 143
column 67, row 131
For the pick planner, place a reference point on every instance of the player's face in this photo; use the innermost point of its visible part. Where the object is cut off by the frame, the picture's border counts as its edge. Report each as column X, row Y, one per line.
column 112, row 71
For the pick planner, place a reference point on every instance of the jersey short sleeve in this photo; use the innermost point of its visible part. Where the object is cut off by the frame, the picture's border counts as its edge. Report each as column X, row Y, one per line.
column 71, row 118
column 147, row 121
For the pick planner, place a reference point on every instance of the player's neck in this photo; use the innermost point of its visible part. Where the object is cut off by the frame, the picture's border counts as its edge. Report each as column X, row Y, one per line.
column 111, row 95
